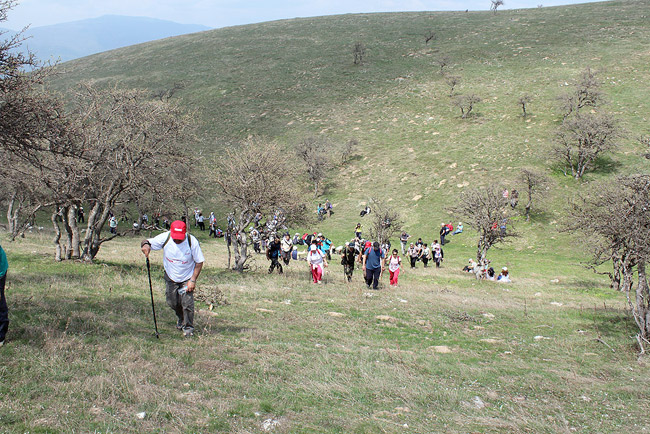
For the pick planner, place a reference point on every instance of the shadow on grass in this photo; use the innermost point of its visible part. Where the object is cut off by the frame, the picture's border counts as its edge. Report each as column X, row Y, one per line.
column 36, row 320
column 605, row 166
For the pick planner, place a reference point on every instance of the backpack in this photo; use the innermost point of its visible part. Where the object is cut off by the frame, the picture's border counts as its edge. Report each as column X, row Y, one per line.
column 189, row 240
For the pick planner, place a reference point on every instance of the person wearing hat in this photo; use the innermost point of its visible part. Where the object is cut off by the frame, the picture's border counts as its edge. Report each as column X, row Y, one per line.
column 273, row 253
column 4, row 310
column 182, row 261
column 287, row 246
column 504, row 277
column 373, row 264
column 316, row 260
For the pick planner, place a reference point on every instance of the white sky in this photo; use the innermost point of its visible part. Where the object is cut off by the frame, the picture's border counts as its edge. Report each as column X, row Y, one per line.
column 221, row 13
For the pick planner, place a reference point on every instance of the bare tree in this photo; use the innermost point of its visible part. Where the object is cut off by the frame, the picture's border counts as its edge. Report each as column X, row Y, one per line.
column 487, row 212
column 584, row 137
column 314, row 154
column 349, row 148
column 615, row 218
column 644, row 141
column 359, row 52
column 466, row 103
column 142, row 139
column 523, row 102
column 386, row 222
column 251, row 179
column 452, row 81
column 165, row 94
column 585, row 93
column 535, row 184
column 442, row 61
column 495, row 5
column 429, row 36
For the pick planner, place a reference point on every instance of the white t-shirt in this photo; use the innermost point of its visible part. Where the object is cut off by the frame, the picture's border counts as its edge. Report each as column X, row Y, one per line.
column 315, row 258
column 393, row 265
column 178, row 259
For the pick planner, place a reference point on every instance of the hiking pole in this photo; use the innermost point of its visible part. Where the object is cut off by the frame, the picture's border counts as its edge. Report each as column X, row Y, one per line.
column 153, row 308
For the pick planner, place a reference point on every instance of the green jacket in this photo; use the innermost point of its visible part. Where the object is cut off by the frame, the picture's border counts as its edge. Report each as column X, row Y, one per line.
column 4, row 265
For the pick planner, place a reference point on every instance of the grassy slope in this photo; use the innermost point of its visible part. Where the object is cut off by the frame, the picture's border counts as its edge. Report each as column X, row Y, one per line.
column 82, row 356
column 291, row 78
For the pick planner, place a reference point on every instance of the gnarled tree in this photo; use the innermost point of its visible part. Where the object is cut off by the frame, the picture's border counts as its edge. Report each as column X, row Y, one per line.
column 385, row 223
column 315, row 153
column 615, row 218
column 582, row 138
column 485, row 210
column 251, row 179
column 535, row 184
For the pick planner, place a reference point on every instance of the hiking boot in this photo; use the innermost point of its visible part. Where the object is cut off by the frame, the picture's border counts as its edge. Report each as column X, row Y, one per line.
column 188, row 333
column 179, row 324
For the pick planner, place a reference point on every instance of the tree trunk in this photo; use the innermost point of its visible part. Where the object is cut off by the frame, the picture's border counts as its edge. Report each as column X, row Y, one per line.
column 12, row 217
column 642, row 309
column 75, row 248
column 57, row 237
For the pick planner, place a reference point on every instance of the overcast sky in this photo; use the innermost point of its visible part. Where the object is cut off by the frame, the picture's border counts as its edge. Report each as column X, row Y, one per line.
column 221, row 13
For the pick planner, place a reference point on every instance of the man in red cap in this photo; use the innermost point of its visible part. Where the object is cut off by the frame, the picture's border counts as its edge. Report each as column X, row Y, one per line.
column 182, row 260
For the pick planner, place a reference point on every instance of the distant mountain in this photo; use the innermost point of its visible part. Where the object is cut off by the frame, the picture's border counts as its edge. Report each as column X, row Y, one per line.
column 76, row 39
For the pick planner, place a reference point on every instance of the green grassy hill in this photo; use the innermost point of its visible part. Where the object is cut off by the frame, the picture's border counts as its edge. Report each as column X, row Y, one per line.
column 551, row 352
column 290, row 79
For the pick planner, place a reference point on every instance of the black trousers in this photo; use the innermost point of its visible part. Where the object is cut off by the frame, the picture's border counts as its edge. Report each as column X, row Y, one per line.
column 275, row 263
column 372, row 276
column 413, row 260
column 4, row 310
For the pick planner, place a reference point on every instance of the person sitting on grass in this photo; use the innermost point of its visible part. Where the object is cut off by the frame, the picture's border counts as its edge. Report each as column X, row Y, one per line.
column 504, row 277
column 459, row 229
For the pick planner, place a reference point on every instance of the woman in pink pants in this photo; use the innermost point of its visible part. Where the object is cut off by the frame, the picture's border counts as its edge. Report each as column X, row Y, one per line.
column 394, row 267
column 316, row 260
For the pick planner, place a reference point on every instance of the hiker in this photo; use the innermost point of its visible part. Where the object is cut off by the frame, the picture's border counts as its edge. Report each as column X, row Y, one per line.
column 459, row 229
column 286, row 245
column 213, row 228
column 403, row 239
column 273, row 253
column 491, row 274
column 514, row 198
column 182, row 261
column 316, row 261
column 80, row 215
column 365, row 211
column 504, row 277
column 357, row 231
column 112, row 223
column 325, row 245
column 373, row 265
column 444, row 230
column 328, row 207
column 255, row 237
column 394, row 267
column 425, row 255
column 503, row 227
column 4, row 310
column 413, row 252
column 348, row 256
column 297, row 240
column 201, row 221
column 438, row 253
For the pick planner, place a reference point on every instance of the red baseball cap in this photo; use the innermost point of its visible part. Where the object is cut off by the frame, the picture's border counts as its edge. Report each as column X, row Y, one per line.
column 178, row 229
